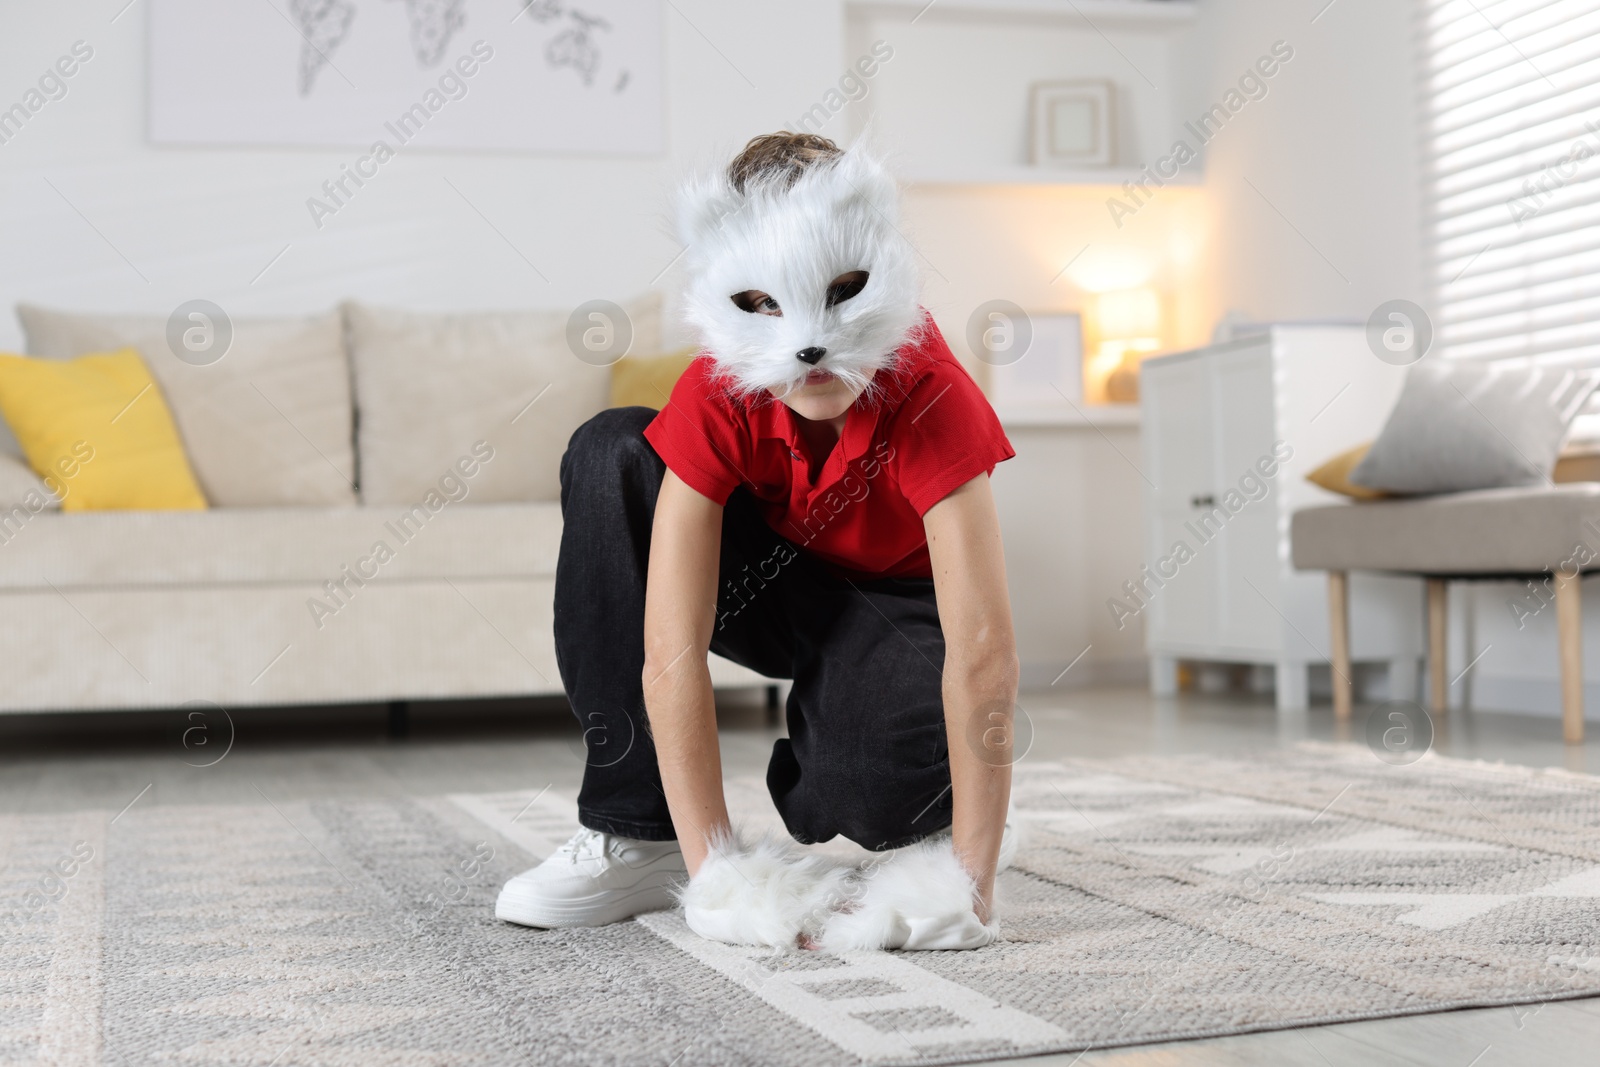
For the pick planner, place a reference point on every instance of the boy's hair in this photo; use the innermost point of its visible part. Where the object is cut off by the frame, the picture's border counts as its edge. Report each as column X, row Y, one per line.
column 780, row 157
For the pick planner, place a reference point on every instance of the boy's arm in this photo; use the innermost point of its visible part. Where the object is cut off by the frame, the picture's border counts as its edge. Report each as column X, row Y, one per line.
column 680, row 608
column 980, row 673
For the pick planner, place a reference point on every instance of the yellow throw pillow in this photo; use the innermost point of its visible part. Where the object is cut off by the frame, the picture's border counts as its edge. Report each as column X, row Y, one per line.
column 1334, row 475
column 98, row 431
column 1577, row 463
column 647, row 381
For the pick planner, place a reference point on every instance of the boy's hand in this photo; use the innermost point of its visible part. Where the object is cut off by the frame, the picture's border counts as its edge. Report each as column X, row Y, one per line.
column 962, row 931
column 920, row 897
column 768, row 894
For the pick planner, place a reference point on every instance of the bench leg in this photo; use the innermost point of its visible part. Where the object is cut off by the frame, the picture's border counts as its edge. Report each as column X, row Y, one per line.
column 1438, row 687
column 1569, row 636
column 1339, row 635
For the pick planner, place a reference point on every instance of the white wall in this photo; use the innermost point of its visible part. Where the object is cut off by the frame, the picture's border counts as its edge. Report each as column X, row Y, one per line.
column 205, row 222
column 1330, row 150
column 955, row 96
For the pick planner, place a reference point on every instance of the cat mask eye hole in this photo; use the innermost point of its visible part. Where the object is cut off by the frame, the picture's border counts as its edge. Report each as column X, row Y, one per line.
column 756, row 303
column 846, row 286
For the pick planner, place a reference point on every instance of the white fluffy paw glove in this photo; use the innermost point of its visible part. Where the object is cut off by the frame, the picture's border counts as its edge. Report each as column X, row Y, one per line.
column 767, row 894
column 919, row 898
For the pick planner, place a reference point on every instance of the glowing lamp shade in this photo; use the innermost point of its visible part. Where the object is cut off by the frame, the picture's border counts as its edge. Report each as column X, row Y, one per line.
column 1129, row 325
column 1129, row 314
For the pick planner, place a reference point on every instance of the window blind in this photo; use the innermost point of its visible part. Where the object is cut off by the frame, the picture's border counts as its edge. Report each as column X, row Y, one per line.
column 1510, row 111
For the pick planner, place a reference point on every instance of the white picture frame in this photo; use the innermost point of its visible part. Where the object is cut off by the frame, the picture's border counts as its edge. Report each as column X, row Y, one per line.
column 1072, row 124
column 1049, row 372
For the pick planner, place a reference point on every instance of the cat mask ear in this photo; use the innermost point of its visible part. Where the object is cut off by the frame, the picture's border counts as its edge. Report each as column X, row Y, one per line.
column 703, row 204
column 864, row 184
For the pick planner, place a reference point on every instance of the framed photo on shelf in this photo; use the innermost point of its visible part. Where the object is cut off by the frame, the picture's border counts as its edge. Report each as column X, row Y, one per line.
column 1072, row 124
column 1048, row 369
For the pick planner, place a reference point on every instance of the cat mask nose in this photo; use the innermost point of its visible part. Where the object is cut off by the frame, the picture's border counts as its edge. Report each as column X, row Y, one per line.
column 811, row 356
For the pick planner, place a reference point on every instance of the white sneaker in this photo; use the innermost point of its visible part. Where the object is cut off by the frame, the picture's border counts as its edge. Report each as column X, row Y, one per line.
column 592, row 880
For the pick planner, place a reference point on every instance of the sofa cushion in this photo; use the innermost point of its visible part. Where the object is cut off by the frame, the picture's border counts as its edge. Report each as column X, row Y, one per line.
column 430, row 385
column 1461, row 425
column 267, row 424
column 278, row 545
column 647, row 379
column 99, row 426
column 254, row 645
column 20, row 487
column 1493, row 531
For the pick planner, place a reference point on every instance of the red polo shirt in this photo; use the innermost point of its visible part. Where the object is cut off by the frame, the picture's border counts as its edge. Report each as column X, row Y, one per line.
column 926, row 430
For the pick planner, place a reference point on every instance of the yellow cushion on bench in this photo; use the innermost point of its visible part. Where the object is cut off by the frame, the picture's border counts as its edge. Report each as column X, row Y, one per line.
column 1334, row 475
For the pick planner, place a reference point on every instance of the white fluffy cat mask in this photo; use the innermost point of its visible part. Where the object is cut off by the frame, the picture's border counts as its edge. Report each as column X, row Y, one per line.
column 794, row 243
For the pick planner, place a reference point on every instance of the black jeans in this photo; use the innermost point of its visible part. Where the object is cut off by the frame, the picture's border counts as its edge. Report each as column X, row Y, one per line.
column 866, row 755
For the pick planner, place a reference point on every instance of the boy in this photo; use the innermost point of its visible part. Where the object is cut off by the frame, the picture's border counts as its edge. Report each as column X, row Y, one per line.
column 813, row 502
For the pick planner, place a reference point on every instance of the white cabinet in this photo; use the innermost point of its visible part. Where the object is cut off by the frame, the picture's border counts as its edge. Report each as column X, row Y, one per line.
column 1230, row 432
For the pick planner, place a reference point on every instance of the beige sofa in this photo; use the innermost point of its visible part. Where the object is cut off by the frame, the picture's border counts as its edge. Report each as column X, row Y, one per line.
column 384, row 522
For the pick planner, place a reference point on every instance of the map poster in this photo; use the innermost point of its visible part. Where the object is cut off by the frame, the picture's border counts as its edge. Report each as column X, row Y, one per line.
column 574, row 76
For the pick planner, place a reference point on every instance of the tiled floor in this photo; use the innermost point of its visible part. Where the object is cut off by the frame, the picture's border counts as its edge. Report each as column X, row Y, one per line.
column 61, row 762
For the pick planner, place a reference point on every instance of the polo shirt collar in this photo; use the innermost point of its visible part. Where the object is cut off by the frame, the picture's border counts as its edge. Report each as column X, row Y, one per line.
column 860, row 424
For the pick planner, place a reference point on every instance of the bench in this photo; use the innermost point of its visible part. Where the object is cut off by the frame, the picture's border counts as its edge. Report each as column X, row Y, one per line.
column 1532, row 533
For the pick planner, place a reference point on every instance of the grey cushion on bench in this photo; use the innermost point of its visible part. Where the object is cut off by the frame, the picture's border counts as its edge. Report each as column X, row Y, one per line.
column 1493, row 531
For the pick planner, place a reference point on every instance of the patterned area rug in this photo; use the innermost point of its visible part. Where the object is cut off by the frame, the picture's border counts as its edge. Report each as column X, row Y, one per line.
column 1154, row 898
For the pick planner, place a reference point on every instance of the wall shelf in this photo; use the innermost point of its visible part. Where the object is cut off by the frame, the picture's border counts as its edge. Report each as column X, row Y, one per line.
column 1085, row 416
column 1039, row 176
column 1122, row 14
column 1005, row 48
